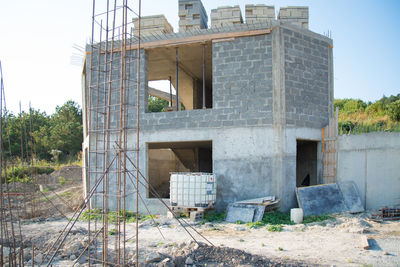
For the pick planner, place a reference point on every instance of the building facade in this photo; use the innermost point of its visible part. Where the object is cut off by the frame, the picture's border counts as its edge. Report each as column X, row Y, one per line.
column 255, row 95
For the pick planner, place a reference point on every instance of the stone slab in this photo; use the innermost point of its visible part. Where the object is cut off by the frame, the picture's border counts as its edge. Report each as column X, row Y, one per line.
column 320, row 199
column 239, row 213
column 329, row 198
column 351, row 196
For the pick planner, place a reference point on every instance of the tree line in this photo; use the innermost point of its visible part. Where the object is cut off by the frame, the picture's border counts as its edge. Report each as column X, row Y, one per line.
column 380, row 115
column 36, row 135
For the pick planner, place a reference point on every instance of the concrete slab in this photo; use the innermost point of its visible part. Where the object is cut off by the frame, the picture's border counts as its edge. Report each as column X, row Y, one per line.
column 239, row 213
column 351, row 196
column 321, row 199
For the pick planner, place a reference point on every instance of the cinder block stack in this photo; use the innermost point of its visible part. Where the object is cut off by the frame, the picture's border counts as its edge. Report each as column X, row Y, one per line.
column 297, row 15
column 192, row 15
column 152, row 24
column 259, row 14
column 226, row 16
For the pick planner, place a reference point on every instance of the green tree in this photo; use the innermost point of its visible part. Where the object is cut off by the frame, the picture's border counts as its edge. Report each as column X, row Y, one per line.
column 354, row 105
column 66, row 129
column 393, row 111
column 340, row 103
column 156, row 104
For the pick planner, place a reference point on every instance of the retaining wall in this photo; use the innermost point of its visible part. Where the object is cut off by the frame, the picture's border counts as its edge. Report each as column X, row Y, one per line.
column 372, row 161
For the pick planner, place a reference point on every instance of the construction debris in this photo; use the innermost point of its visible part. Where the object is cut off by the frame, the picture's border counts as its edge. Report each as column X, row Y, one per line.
column 388, row 214
column 250, row 210
column 329, row 198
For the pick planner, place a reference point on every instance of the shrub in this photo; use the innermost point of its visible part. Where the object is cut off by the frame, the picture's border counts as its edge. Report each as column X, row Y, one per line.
column 394, row 111
column 354, row 105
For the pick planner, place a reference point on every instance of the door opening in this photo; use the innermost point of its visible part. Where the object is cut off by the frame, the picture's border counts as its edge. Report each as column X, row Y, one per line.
column 306, row 163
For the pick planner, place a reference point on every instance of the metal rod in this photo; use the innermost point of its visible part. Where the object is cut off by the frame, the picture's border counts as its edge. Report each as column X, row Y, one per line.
column 1, row 167
column 170, row 92
column 78, row 212
column 177, row 78
column 204, row 77
column 137, row 133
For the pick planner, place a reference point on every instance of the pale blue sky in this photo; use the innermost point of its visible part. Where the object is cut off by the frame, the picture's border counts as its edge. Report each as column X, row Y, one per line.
column 36, row 39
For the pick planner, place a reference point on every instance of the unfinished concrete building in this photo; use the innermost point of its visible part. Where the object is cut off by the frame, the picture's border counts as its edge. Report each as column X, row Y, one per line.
column 256, row 95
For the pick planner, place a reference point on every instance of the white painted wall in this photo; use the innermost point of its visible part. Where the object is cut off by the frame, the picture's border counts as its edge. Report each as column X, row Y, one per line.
column 372, row 161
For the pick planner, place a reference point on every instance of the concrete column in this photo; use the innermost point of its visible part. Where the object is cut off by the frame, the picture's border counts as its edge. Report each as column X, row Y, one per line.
column 284, row 180
column 330, row 81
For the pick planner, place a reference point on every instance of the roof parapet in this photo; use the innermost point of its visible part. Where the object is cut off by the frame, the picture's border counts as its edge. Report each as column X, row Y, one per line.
column 226, row 16
column 192, row 15
column 297, row 15
column 151, row 25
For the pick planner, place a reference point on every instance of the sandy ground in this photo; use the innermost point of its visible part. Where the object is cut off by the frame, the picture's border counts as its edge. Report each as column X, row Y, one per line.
column 336, row 242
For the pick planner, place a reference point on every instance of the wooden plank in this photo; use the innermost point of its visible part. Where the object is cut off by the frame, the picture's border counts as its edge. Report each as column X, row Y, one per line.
column 198, row 39
column 364, row 242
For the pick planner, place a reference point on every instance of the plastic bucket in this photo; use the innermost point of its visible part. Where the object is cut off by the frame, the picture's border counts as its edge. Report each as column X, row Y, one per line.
column 296, row 215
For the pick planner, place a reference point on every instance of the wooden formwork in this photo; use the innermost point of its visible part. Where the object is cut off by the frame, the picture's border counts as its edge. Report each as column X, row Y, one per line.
column 329, row 150
column 194, row 213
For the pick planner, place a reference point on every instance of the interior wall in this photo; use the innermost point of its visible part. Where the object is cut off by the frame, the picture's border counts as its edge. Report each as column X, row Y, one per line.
column 162, row 65
column 306, row 163
column 161, row 163
column 176, row 157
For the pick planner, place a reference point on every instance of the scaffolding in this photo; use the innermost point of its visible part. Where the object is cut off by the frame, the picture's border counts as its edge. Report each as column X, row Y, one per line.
column 113, row 81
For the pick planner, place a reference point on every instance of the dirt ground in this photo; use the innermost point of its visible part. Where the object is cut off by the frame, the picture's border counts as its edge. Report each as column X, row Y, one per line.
column 335, row 242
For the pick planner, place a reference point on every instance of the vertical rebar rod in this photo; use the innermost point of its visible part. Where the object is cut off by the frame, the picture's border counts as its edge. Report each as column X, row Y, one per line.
column 106, row 144
column 1, row 168
column 121, row 130
column 204, row 76
column 170, row 92
column 96, row 126
column 124, row 138
column 177, row 77
column 137, row 134
column 87, row 160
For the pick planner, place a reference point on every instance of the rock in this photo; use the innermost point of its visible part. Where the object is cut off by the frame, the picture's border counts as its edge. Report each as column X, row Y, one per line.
column 240, row 228
column 189, row 261
column 167, row 263
column 72, row 257
column 181, row 245
column 153, row 257
column 38, row 258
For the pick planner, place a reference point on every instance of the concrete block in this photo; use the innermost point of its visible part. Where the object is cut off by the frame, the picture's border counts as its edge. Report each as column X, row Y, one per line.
column 237, row 213
column 152, row 24
column 226, row 16
column 192, row 15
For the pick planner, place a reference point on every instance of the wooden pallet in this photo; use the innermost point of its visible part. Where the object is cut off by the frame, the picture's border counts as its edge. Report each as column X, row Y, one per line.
column 194, row 213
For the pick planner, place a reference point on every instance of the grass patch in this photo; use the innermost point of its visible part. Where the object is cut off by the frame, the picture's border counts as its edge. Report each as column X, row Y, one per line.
column 112, row 231
column 214, row 217
column 255, row 225
column 20, row 173
column 130, row 216
column 66, row 194
column 316, row 218
column 275, row 220
column 274, row 228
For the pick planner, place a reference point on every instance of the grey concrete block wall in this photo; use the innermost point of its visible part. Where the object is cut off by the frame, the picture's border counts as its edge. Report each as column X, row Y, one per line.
column 226, row 16
column 242, row 89
column 259, row 14
column 307, row 72
column 295, row 15
column 150, row 25
column 192, row 15
column 254, row 143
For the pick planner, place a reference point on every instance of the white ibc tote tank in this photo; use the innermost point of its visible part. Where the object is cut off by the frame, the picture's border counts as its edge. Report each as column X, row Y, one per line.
column 193, row 189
